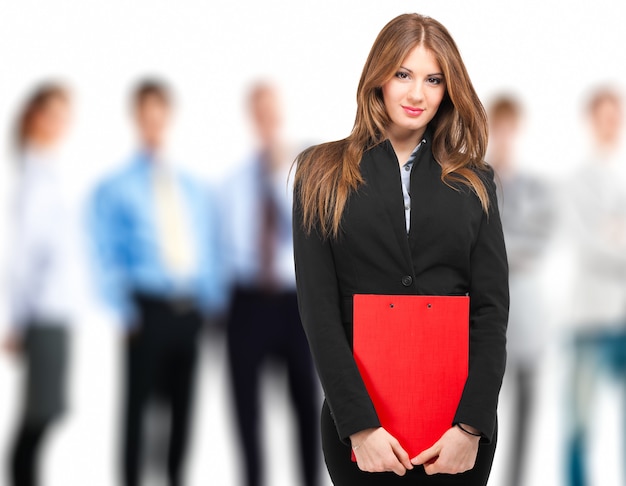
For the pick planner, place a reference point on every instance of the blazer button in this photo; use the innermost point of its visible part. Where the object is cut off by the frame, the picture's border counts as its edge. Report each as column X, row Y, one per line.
column 407, row 280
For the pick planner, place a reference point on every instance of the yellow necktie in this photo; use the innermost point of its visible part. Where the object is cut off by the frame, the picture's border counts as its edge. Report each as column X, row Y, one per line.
column 173, row 229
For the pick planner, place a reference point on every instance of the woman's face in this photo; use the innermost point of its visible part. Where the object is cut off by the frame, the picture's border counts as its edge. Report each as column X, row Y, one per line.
column 51, row 123
column 413, row 95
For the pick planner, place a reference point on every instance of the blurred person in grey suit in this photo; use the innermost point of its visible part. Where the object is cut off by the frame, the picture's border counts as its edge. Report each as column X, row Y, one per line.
column 264, row 323
column 527, row 206
column 40, row 292
column 596, row 217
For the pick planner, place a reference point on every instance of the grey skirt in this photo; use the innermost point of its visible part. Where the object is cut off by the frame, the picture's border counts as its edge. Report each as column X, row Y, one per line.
column 45, row 354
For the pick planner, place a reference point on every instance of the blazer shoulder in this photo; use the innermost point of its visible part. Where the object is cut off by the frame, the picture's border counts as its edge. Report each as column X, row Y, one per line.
column 486, row 172
column 488, row 176
column 307, row 157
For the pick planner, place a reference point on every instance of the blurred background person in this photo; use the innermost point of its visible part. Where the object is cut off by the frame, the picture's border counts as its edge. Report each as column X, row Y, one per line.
column 527, row 209
column 155, row 234
column 596, row 218
column 264, row 323
column 40, row 291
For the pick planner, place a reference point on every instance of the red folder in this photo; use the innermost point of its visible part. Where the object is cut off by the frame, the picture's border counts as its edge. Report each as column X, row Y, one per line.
column 413, row 353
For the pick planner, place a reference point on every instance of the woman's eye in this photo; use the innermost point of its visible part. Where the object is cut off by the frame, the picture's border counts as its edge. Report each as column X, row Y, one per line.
column 434, row 81
column 402, row 75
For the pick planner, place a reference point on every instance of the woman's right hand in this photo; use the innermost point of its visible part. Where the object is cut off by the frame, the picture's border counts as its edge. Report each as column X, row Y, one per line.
column 376, row 450
column 12, row 344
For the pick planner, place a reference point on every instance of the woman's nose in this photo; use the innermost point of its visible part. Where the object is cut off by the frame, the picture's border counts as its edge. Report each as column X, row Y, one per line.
column 416, row 92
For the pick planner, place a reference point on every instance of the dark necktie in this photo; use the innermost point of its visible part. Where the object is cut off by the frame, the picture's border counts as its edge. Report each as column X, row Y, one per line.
column 269, row 229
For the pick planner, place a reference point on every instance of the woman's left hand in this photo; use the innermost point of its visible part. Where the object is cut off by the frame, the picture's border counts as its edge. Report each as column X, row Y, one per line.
column 454, row 453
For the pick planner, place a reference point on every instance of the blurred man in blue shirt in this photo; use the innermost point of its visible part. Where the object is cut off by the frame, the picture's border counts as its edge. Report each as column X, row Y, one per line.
column 264, row 323
column 156, row 245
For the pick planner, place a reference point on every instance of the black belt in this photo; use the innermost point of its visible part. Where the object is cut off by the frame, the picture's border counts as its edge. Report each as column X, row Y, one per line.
column 177, row 305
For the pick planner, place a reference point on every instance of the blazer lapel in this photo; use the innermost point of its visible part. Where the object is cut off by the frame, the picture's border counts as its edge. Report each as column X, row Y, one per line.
column 386, row 181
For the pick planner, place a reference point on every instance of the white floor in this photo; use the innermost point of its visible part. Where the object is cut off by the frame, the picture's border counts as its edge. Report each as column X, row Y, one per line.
column 545, row 461
column 83, row 448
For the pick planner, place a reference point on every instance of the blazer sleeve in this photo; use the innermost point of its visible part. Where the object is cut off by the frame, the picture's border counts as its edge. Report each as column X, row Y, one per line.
column 319, row 304
column 489, row 306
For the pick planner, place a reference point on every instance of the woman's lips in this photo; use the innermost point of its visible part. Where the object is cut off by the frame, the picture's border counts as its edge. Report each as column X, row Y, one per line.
column 412, row 111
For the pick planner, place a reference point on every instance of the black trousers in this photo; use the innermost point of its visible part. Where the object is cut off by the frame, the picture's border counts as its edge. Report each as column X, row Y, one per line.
column 45, row 355
column 161, row 358
column 264, row 326
column 344, row 472
column 24, row 460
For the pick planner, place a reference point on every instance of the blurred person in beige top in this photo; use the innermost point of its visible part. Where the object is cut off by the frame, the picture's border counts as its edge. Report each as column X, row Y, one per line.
column 596, row 218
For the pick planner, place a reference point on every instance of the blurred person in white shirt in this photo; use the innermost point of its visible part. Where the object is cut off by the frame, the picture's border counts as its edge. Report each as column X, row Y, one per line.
column 596, row 218
column 264, row 323
column 40, row 291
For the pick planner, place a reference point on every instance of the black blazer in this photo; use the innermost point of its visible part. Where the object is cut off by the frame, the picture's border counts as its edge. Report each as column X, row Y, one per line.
column 453, row 248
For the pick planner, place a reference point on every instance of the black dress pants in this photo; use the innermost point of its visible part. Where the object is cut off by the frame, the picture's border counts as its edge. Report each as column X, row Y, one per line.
column 262, row 326
column 161, row 356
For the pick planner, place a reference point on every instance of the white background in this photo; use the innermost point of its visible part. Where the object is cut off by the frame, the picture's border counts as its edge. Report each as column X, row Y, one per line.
column 549, row 53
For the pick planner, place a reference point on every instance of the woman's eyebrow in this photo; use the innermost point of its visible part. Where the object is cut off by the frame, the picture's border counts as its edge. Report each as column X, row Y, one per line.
column 411, row 71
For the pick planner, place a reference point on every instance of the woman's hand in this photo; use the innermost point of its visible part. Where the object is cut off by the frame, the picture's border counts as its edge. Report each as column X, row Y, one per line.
column 376, row 450
column 12, row 344
column 454, row 453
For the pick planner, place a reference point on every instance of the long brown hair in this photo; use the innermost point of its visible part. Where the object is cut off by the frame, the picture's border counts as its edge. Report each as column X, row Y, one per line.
column 326, row 174
column 35, row 104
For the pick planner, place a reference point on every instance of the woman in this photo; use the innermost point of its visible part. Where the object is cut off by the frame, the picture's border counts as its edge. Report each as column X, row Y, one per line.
column 39, row 294
column 418, row 142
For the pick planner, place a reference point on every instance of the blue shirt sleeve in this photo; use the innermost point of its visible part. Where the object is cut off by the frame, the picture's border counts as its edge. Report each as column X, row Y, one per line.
column 105, row 222
column 213, row 291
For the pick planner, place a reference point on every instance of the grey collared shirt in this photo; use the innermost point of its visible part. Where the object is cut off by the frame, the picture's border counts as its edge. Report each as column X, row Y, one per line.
column 405, row 174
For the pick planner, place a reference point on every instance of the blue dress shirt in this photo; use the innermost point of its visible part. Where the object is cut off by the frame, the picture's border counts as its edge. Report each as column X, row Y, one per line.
column 241, row 200
column 123, row 226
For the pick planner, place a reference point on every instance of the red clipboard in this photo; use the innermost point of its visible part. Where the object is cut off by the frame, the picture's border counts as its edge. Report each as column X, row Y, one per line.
column 413, row 354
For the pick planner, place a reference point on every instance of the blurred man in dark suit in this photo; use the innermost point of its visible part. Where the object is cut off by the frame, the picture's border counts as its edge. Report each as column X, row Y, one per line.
column 264, row 323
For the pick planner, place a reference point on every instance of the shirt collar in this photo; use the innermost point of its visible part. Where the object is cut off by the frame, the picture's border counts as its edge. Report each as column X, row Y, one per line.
column 152, row 162
column 409, row 163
